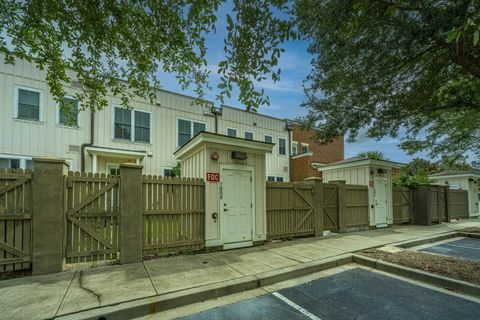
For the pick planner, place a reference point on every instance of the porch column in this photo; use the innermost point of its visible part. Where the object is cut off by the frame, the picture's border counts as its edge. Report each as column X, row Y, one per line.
column 94, row 163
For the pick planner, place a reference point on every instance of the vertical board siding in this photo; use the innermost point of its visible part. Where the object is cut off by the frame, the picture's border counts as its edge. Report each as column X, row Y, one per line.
column 173, row 214
column 402, row 205
column 457, row 203
column 330, row 207
column 92, row 217
column 15, row 219
column 289, row 210
column 357, row 206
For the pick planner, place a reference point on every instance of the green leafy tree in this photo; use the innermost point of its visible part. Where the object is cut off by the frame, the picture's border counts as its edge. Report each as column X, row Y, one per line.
column 391, row 67
column 120, row 46
column 373, row 154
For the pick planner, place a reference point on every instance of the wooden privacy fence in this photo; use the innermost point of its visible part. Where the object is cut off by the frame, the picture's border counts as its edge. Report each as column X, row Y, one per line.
column 15, row 219
column 457, row 204
column 402, row 205
column 330, row 207
column 290, row 210
column 356, row 198
column 173, row 212
column 92, row 217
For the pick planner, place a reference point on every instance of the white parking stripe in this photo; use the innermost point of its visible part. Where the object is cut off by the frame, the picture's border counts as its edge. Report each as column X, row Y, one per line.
column 296, row 306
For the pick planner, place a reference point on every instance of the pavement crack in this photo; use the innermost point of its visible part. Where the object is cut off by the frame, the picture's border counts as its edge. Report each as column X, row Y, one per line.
column 80, row 283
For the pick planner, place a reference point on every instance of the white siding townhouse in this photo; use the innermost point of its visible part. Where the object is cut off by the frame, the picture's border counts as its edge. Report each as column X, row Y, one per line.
column 32, row 125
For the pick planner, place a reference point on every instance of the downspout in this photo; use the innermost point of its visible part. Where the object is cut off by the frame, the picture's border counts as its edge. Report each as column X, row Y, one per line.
column 92, row 133
column 289, row 127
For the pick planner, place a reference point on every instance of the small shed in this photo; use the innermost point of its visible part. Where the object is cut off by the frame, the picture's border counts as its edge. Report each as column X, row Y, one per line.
column 376, row 174
column 462, row 180
column 234, row 171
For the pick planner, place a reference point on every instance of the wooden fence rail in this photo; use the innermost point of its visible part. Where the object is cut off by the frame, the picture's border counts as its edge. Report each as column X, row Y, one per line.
column 173, row 214
column 289, row 210
column 92, row 217
column 15, row 219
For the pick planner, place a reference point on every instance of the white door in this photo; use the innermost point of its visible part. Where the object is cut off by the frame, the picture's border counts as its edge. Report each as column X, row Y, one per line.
column 236, row 205
column 380, row 200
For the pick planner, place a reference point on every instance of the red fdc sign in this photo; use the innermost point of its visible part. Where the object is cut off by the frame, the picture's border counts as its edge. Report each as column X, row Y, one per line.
column 213, row 176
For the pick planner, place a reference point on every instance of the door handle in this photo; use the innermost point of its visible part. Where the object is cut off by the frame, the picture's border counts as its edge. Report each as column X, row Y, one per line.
column 225, row 209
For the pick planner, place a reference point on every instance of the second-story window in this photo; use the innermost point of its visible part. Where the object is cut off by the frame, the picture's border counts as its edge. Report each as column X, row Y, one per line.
column 268, row 139
column 123, row 124
column 28, row 104
column 187, row 129
column 142, row 126
column 132, row 125
column 282, row 146
column 304, row 148
column 70, row 118
column 231, row 132
column 248, row 135
column 294, row 148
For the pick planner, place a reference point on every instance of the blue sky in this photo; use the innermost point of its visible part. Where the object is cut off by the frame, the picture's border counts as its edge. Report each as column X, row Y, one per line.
column 286, row 95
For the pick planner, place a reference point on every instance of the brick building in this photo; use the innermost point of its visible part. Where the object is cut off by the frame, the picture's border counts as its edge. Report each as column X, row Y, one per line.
column 308, row 153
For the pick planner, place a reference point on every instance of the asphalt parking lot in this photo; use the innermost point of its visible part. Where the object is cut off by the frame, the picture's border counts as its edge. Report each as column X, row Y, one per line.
column 351, row 294
column 466, row 248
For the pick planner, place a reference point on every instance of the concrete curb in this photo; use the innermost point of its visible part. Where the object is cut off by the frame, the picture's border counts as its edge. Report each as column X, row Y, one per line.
column 425, row 240
column 433, row 279
column 469, row 234
column 154, row 304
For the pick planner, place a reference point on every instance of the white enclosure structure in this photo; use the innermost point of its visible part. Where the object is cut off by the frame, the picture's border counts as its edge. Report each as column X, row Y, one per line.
column 463, row 180
column 234, row 173
column 376, row 174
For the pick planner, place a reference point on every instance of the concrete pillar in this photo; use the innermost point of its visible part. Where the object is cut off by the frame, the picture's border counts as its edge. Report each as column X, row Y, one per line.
column 342, row 205
column 318, row 205
column 131, row 213
column 48, row 219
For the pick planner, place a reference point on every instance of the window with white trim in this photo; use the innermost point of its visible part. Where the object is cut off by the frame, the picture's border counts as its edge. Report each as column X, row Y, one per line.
column 248, row 135
column 168, row 172
column 294, row 148
column 282, row 149
column 28, row 104
column 268, row 138
column 274, row 178
column 271, row 178
column 231, row 132
column 15, row 162
column 133, row 125
column 187, row 129
column 304, row 148
column 71, row 118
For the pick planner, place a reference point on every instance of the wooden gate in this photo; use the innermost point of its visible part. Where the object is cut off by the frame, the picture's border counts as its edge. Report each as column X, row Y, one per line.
column 330, row 207
column 402, row 205
column 15, row 219
column 289, row 210
column 92, row 217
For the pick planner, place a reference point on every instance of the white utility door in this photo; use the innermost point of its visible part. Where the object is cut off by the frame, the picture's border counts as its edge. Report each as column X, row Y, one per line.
column 236, row 205
column 380, row 200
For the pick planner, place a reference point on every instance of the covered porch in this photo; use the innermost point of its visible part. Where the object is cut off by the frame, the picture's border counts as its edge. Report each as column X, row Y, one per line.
column 108, row 160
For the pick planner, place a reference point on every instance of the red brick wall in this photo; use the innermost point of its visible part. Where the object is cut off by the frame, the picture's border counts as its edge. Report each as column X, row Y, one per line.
column 332, row 152
column 328, row 153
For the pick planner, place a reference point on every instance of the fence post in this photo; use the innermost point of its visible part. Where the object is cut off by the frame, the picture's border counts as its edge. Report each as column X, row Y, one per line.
column 317, row 205
column 131, row 213
column 342, row 205
column 48, row 217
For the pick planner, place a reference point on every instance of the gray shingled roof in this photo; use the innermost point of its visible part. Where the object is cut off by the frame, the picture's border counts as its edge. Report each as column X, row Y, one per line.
column 355, row 159
column 456, row 173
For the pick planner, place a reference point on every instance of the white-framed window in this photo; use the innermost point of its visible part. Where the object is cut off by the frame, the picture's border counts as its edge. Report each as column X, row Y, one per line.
column 231, row 132
column 112, row 168
column 15, row 162
column 282, row 143
column 294, row 148
column 134, row 125
column 167, row 172
column 274, row 178
column 72, row 119
column 187, row 129
column 268, row 138
column 28, row 103
column 305, row 148
column 248, row 135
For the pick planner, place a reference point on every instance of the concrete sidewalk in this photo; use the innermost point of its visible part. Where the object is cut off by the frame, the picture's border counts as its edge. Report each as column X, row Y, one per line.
column 50, row 296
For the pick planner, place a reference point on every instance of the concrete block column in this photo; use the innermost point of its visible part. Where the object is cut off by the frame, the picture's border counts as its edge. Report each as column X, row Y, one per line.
column 131, row 232
column 342, row 205
column 48, row 219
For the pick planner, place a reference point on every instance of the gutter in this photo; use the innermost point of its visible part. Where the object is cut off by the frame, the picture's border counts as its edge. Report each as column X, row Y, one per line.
column 289, row 127
column 84, row 145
